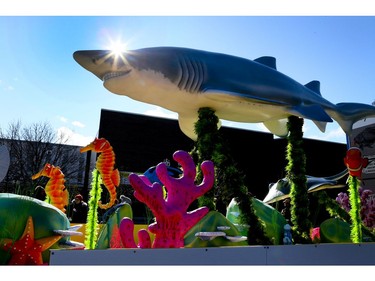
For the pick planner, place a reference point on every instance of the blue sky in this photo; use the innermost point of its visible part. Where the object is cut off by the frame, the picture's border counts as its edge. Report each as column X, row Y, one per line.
column 40, row 81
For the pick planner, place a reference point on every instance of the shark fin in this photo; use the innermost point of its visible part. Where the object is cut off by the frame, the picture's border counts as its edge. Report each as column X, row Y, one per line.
column 321, row 125
column 187, row 125
column 277, row 127
column 267, row 61
column 347, row 114
column 313, row 112
column 314, row 86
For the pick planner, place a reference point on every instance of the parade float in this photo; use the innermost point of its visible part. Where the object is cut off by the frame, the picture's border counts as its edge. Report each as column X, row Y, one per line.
column 202, row 87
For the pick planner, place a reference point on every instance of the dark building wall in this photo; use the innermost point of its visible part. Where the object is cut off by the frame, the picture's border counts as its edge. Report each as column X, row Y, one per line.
column 143, row 141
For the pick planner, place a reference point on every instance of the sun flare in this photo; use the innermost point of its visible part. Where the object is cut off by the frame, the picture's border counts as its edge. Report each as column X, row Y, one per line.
column 117, row 47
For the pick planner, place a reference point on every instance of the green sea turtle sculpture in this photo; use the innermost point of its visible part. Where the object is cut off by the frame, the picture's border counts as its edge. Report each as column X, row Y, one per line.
column 30, row 227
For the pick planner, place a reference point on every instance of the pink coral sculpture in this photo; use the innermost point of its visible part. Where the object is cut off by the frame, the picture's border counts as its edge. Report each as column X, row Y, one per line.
column 172, row 219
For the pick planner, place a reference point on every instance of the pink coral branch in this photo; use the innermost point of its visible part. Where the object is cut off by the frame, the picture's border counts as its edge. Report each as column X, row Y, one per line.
column 172, row 218
column 183, row 191
column 126, row 230
column 151, row 194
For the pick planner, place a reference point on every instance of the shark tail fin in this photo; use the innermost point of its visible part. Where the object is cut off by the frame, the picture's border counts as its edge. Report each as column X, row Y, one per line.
column 346, row 114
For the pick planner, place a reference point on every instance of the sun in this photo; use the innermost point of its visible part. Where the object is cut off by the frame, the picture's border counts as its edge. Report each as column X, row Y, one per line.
column 117, row 47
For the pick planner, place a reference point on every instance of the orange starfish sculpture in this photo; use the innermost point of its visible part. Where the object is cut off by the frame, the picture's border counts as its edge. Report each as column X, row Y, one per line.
column 26, row 250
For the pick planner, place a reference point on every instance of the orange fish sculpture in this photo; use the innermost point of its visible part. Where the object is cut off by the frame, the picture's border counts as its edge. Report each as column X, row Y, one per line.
column 105, row 165
column 355, row 162
column 55, row 188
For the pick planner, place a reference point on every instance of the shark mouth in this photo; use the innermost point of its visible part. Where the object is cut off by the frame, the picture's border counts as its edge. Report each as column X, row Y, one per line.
column 111, row 75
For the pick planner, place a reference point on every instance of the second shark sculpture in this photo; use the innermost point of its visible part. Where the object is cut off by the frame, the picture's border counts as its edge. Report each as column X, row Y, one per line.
column 281, row 189
column 238, row 89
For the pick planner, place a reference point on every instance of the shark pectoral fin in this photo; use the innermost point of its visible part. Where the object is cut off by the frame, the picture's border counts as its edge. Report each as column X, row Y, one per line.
column 277, row 127
column 313, row 112
column 187, row 124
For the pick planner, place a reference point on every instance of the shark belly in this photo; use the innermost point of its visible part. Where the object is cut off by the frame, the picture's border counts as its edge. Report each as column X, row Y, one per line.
column 153, row 87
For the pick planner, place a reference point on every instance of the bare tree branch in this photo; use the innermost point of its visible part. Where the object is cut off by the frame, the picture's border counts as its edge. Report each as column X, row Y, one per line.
column 30, row 148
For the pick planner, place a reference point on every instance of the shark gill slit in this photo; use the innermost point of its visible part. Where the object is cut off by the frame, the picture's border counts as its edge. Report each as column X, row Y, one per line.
column 191, row 74
column 197, row 76
column 183, row 78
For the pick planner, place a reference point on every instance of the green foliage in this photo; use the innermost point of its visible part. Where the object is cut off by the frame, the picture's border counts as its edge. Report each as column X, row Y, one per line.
column 108, row 230
column 336, row 211
column 334, row 230
column 92, row 215
column 296, row 173
column 273, row 220
column 229, row 181
column 205, row 148
column 209, row 223
column 355, row 203
column 331, row 206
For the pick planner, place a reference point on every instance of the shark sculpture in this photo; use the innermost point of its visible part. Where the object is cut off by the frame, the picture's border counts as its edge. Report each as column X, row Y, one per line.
column 242, row 90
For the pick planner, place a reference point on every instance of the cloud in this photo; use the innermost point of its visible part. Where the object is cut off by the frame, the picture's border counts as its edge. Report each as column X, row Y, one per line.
column 78, row 124
column 73, row 138
column 159, row 112
column 6, row 87
column 335, row 134
column 74, row 123
column 63, row 119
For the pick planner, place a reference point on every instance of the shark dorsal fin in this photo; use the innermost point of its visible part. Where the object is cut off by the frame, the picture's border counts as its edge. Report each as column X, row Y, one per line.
column 314, row 86
column 267, row 61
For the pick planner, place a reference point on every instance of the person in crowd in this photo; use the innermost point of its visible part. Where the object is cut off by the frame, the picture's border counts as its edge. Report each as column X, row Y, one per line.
column 78, row 210
column 123, row 200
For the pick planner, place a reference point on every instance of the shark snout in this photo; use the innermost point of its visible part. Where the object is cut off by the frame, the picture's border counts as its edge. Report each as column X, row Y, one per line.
column 100, row 62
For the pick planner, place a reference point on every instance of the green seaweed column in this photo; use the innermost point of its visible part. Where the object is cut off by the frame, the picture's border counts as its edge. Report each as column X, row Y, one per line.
column 331, row 206
column 206, row 147
column 355, row 203
column 296, row 174
column 92, row 226
column 229, row 181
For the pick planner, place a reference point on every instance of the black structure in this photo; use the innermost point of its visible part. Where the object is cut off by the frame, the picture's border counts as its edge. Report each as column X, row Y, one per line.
column 141, row 142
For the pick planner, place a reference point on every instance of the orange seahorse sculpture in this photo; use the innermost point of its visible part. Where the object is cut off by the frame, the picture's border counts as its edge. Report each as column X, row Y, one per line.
column 55, row 188
column 105, row 165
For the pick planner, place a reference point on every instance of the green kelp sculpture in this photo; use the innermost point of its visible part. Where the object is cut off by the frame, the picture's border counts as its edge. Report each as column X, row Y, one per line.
column 355, row 163
column 296, row 174
column 210, row 145
column 92, row 225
